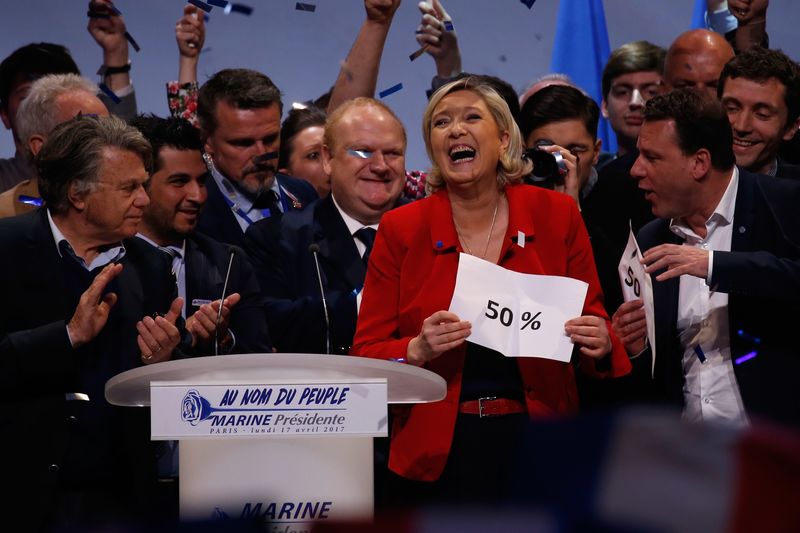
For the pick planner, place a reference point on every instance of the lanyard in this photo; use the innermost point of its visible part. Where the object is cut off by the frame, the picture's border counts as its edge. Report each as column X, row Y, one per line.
column 240, row 212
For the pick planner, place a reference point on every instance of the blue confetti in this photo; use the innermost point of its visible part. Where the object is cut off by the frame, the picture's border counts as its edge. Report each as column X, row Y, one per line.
column 103, row 87
column 238, row 8
column 132, row 41
column 300, row 6
column 745, row 357
column 700, row 355
column 202, row 5
column 439, row 244
column 29, row 200
column 528, row 3
column 448, row 25
column 391, row 90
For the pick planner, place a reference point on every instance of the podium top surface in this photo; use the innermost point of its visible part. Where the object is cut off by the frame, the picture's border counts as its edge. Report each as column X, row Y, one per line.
column 406, row 383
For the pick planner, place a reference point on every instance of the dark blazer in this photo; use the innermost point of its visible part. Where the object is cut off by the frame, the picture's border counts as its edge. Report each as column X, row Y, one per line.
column 51, row 443
column 288, row 277
column 761, row 275
column 787, row 170
column 206, row 265
column 607, row 209
column 218, row 221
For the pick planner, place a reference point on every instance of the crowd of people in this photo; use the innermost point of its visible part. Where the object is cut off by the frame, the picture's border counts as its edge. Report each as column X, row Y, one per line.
column 121, row 230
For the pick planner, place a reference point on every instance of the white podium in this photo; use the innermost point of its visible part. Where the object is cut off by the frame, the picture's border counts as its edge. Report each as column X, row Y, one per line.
column 283, row 437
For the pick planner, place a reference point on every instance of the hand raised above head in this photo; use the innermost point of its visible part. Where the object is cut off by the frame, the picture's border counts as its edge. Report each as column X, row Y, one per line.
column 190, row 32
column 381, row 10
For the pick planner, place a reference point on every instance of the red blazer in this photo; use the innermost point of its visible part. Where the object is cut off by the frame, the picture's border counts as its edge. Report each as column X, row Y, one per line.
column 412, row 274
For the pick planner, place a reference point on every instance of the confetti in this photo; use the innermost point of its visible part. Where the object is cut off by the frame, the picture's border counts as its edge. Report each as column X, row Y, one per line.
column 30, row 200
column 391, row 90
column 202, row 5
column 103, row 87
column 745, row 357
column 238, row 8
column 448, row 25
column 133, row 42
column 528, row 3
column 362, row 154
column 418, row 53
column 300, row 6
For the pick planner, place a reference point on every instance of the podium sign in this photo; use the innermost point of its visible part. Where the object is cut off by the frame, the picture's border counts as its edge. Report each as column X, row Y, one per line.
column 283, row 408
column 285, row 438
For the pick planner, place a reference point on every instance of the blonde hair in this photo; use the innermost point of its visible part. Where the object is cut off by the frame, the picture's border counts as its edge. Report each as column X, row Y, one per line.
column 511, row 167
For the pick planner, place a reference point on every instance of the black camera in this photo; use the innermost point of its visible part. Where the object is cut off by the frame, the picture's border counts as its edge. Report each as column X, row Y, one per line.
column 549, row 169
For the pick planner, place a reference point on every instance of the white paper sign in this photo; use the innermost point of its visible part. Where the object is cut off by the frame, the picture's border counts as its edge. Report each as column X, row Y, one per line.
column 518, row 315
column 218, row 411
column 637, row 284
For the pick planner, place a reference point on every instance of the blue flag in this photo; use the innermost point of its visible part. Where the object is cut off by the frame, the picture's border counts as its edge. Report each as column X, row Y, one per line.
column 581, row 50
column 699, row 15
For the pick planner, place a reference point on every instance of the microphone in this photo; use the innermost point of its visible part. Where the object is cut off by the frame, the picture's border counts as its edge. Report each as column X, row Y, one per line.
column 314, row 249
column 222, row 301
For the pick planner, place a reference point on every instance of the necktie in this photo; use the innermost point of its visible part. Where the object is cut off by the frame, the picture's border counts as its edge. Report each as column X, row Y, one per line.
column 174, row 258
column 267, row 200
column 367, row 236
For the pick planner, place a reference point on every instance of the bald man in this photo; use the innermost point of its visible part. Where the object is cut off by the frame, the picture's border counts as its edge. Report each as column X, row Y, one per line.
column 695, row 60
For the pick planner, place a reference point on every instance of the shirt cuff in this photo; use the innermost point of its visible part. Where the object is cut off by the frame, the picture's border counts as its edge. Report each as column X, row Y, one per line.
column 125, row 91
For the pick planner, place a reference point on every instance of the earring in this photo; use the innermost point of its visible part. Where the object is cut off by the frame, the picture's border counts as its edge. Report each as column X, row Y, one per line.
column 208, row 161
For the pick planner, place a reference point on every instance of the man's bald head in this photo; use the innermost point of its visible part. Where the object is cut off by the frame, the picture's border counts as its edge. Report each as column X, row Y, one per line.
column 695, row 60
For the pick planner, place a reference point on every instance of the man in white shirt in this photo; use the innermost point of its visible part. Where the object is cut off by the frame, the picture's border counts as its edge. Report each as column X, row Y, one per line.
column 726, row 264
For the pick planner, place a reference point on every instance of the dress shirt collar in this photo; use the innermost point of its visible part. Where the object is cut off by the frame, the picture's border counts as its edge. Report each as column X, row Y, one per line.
column 111, row 254
column 352, row 224
column 722, row 215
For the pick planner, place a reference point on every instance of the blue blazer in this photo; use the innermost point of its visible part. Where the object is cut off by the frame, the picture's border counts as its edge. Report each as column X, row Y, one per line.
column 218, row 221
column 761, row 275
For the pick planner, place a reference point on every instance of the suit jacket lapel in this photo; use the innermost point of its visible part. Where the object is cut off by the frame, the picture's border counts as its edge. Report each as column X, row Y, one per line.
column 743, row 216
column 203, row 280
column 665, row 295
column 336, row 243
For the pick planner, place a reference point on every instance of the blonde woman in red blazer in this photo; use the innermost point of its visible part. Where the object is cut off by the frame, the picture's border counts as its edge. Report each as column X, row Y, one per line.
column 477, row 206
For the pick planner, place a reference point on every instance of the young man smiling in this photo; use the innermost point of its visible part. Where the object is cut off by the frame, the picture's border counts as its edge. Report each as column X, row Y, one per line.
column 760, row 90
